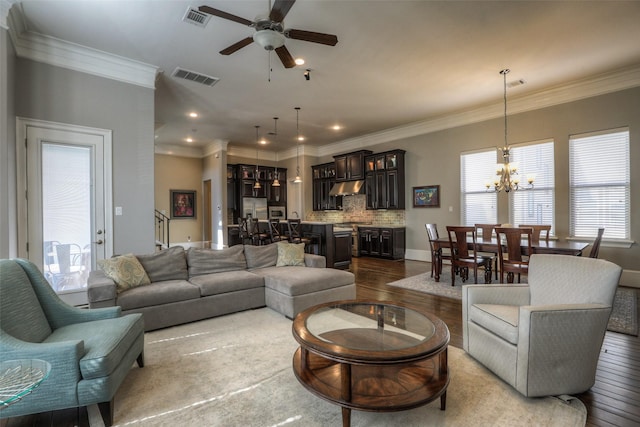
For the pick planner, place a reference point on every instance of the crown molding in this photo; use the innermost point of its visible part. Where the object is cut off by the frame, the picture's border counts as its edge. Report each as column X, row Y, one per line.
column 601, row 84
column 215, row 147
column 61, row 53
column 178, row 150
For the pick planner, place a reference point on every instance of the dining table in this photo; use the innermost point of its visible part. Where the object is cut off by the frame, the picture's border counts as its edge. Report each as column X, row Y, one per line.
column 555, row 247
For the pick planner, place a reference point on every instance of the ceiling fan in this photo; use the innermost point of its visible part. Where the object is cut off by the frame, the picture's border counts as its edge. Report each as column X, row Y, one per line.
column 270, row 32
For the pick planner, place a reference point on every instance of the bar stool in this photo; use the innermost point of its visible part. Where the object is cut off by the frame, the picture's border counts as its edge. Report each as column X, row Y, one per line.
column 295, row 235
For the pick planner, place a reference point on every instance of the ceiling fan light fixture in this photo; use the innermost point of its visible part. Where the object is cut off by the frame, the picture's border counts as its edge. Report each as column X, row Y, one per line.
column 269, row 39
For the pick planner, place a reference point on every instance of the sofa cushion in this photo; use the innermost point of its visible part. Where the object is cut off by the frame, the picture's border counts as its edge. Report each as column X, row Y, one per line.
column 169, row 264
column 502, row 320
column 290, row 254
column 295, row 281
column 205, row 261
column 261, row 256
column 158, row 293
column 227, row 281
column 105, row 342
column 125, row 270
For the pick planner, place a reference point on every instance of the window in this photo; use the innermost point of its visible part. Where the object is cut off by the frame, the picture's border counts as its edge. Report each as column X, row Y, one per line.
column 599, row 184
column 478, row 205
column 534, row 205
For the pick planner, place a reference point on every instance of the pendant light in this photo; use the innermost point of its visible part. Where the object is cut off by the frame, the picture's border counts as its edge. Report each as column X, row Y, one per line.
column 297, row 179
column 257, row 185
column 276, row 181
column 507, row 178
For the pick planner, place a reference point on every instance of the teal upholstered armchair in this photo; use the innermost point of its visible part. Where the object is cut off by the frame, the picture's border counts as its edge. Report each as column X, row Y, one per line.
column 544, row 338
column 90, row 351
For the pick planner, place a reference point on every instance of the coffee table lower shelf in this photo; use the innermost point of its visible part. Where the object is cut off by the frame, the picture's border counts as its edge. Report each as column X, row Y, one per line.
column 373, row 387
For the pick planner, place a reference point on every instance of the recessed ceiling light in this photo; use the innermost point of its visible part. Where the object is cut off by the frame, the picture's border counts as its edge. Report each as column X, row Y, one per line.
column 263, row 141
column 336, row 127
column 194, row 115
column 189, row 140
column 299, row 61
column 301, row 138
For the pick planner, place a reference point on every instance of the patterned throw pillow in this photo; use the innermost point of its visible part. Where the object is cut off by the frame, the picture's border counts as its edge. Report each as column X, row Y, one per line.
column 125, row 270
column 290, row 254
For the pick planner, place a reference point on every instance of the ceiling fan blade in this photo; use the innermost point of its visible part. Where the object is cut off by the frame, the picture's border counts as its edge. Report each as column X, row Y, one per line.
column 285, row 57
column 237, row 46
column 310, row 36
column 280, row 9
column 224, row 15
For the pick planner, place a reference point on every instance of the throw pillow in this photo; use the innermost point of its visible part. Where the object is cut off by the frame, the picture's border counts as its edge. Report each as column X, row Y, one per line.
column 290, row 254
column 125, row 270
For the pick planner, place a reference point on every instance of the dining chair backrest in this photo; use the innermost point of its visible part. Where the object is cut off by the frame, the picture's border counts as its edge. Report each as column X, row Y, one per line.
column 538, row 231
column 459, row 239
column 432, row 233
column 513, row 238
column 487, row 231
column 274, row 230
column 595, row 247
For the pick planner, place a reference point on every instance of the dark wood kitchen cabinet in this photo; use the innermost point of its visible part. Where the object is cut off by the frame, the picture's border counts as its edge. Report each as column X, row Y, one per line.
column 384, row 180
column 350, row 166
column 383, row 242
column 324, row 177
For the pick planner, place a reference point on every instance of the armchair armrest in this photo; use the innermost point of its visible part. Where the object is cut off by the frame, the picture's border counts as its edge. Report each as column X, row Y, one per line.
column 494, row 294
column 315, row 261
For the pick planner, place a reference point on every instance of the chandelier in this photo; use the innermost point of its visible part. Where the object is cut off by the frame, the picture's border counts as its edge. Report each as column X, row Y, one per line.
column 507, row 177
column 297, row 179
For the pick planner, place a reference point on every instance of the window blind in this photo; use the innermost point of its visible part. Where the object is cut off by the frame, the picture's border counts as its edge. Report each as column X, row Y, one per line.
column 478, row 205
column 599, row 182
column 534, row 205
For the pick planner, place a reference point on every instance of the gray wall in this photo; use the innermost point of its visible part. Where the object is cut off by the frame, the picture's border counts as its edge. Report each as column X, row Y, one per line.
column 57, row 94
column 8, row 233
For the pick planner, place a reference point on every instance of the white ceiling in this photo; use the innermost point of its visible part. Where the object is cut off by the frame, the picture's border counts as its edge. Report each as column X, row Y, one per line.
column 396, row 62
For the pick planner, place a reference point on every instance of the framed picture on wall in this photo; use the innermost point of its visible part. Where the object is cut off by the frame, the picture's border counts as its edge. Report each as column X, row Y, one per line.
column 427, row 196
column 183, row 204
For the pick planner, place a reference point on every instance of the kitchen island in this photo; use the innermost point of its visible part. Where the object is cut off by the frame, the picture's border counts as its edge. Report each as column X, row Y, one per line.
column 334, row 243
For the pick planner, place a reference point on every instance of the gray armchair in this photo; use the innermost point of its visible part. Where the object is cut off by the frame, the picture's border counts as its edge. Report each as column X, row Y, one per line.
column 543, row 338
column 90, row 351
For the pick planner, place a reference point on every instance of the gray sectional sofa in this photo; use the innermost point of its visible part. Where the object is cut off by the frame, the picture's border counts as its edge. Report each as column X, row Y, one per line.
column 201, row 283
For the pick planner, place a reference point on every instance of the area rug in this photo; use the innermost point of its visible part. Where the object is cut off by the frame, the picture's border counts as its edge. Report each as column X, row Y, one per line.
column 236, row 370
column 624, row 317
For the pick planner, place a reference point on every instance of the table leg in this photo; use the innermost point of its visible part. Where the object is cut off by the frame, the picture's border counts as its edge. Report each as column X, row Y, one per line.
column 346, row 417
column 345, row 378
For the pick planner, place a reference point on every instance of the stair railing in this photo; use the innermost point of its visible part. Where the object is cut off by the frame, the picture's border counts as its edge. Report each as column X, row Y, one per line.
column 162, row 229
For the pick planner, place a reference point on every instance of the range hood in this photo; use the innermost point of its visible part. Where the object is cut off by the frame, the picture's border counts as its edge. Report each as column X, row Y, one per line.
column 347, row 188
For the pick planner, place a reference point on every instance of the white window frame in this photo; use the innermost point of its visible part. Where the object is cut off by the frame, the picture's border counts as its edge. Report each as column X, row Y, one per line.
column 538, row 158
column 476, row 169
column 604, row 171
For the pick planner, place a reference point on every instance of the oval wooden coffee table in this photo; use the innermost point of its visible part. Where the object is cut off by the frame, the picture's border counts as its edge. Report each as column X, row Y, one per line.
column 372, row 355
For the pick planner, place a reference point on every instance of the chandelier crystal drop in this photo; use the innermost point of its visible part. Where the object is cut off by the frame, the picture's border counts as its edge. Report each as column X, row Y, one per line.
column 507, row 177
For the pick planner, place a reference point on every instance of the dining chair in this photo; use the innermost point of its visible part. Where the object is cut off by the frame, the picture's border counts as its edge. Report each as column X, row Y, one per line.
column 464, row 254
column 538, row 231
column 245, row 231
column 487, row 234
column 437, row 253
column 595, row 247
column 257, row 237
column 274, row 231
column 512, row 262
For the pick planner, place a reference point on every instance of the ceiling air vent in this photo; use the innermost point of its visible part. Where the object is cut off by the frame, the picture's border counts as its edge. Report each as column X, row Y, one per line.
column 181, row 73
column 195, row 17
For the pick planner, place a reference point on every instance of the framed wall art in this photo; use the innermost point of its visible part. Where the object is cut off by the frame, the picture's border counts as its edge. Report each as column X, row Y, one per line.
column 183, row 204
column 427, row 196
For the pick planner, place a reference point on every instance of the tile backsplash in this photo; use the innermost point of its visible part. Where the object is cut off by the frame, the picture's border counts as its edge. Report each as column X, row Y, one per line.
column 354, row 210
